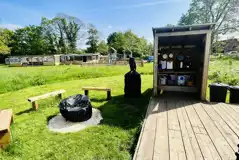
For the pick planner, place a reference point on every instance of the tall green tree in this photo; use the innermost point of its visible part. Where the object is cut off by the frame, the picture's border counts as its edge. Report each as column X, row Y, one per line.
column 117, row 40
column 28, row 41
column 72, row 27
column 103, row 48
column 128, row 42
column 62, row 32
column 224, row 13
column 93, row 40
column 5, row 38
column 50, row 36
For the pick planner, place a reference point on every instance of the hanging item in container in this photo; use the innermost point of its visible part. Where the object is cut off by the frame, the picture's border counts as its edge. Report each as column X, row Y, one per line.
column 163, row 64
column 173, row 77
column 163, row 80
column 171, row 80
column 169, row 64
column 181, row 80
column 171, row 55
column 159, row 66
column 165, row 56
column 187, row 77
column 170, row 61
column 188, row 62
column 180, row 59
column 190, row 81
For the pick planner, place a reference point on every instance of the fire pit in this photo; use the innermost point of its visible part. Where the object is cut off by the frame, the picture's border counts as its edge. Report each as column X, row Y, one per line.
column 76, row 108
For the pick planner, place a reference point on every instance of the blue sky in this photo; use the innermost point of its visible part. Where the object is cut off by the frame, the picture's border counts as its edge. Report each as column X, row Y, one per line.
column 107, row 15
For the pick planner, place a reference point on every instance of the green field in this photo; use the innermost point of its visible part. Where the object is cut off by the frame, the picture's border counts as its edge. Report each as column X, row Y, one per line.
column 15, row 78
column 114, row 138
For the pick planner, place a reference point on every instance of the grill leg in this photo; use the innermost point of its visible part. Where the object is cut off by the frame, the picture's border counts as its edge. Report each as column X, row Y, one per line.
column 108, row 95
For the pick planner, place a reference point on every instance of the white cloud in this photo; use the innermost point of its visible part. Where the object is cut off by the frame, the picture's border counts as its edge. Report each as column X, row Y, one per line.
column 109, row 27
column 10, row 26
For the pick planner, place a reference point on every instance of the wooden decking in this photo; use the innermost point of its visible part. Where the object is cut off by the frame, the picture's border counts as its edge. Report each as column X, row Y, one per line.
column 188, row 130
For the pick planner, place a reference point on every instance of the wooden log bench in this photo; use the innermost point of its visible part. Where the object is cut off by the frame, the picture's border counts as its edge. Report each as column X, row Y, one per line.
column 108, row 90
column 6, row 118
column 34, row 100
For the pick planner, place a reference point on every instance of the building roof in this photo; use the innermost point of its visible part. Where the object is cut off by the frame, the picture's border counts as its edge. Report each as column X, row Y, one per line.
column 196, row 27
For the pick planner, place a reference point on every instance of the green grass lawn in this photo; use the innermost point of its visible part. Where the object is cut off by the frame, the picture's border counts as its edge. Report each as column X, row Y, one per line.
column 15, row 78
column 114, row 138
column 225, row 70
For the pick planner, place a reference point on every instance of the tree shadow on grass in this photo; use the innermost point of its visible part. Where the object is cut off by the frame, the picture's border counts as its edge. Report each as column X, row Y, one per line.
column 123, row 112
column 25, row 111
column 97, row 100
column 126, row 113
column 50, row 117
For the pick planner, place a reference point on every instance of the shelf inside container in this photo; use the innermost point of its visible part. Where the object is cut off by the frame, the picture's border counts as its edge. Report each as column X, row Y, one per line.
column 178, row 88
column 176, row 72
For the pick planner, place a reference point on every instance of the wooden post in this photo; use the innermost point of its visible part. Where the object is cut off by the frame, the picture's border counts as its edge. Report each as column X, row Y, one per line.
column 86, row 92
column 60, row 96
column 142, row 63
column 35, row 105
column 108, row 95
column 206, row 65
column 155, row 69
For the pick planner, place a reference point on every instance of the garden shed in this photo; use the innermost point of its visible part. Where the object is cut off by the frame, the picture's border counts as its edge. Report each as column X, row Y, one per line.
column 182, row 58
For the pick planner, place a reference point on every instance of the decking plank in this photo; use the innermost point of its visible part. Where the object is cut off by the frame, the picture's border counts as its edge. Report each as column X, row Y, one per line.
column 193, row 152
column 230, row 111
column 176, row 146
column 161, row 147
column 223, row 127
column 145, row 151
column 235, row 107
column 222, row 146
column 227, row 118
column 206, row 145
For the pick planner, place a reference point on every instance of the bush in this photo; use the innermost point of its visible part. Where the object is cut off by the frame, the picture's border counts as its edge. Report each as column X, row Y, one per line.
column 227, row 78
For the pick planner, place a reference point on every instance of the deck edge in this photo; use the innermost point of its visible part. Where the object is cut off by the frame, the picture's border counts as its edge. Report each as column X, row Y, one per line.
column 142, row 129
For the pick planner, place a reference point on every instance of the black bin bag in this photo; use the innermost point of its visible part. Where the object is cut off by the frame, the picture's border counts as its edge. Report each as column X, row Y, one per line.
column 76, row 108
